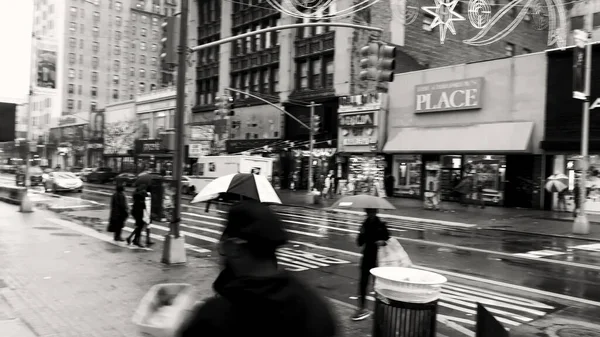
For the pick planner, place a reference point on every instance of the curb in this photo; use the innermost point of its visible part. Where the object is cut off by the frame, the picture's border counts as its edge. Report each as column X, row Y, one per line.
column 562, row 236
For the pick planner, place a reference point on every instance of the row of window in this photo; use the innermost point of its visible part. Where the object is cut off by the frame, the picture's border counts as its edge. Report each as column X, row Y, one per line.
column 264, row 81
column 71, row 105
column 142, row 74
column 252, row 44
column 315, row 73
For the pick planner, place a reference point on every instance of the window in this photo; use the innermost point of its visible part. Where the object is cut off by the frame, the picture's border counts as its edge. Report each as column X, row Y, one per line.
column 154, row 61
column 142, row 73
column 155, row 34
column 80, row 74
column 142, row 59
column 71, row 73
column 70, row 104
column 81, row 28
column 142, row 86
column 596, row 21
column 73, row 12
column 72, row 42
column 80, row 43
column 118, row 6
column 72, row 27
column 265, row 81
column 153, row 74
column 96, row 32
column 94, row 92
column 117, row 50
column 316, row 74
column 116, row 79
column 303, row 75
column 117, row 35
column 118, row 21
column 155, row 21
column 93, row 106
column 143, row 32
column 329, row 71
column 144, row 19
column 97, row 16
column 132, row 58
column 117, row 65
column 509, row 49
column 94, row 76
column 577, row 22
column 95, row 46
column 82, row 13
column 140, row 4
column 79, row 89
column 94, row 62
column 143, row 45
column 132, row 71
column 133, row 30
column 79, row 105
column 133, row 17
column 115, row 94
column 71, row 58
column 81, row 59
column 526, row 51
column 71, row 88
column 154, row 47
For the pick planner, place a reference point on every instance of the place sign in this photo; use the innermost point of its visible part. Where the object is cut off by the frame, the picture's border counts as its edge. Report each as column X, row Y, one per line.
column 449, row 96
column 357, row 141
column 358, row 119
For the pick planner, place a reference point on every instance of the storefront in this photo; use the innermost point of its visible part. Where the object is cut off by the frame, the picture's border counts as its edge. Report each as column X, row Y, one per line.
column 562, row 129
column 360, row 140
column 485, row 127
column 151, row 154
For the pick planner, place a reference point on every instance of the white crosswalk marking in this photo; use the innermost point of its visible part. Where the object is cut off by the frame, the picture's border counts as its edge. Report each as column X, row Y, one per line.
column 541, row 253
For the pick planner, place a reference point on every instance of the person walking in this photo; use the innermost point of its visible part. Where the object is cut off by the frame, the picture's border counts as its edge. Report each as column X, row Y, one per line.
column 253, row 296
column 137, row 211
column 118, row 213
column 373, row 234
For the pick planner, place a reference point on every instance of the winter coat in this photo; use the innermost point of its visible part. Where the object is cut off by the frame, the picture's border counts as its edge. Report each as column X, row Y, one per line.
column 139, row 204
column 371, row 231
column 118, row 211
column 274, row 306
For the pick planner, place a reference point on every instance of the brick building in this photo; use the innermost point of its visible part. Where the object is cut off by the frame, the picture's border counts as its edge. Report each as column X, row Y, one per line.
column 292, row 68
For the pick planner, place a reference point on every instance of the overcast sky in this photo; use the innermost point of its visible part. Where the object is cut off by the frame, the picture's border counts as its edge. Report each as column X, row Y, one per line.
column 15, row 39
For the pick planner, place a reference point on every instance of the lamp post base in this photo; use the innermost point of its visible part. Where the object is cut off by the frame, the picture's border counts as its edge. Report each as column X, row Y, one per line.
column 581, row 225
column 26, row 204
column 174, row 250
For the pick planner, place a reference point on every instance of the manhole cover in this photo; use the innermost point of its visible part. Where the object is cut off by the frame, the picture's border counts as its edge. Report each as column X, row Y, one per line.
column 573, row 331
column 47, row 228
column 66, row 234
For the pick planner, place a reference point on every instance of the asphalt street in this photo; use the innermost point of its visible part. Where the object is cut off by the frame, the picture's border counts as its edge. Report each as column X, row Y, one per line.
column 522, row 279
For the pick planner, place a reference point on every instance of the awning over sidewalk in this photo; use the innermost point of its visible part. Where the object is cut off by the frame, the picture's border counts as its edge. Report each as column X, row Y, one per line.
column 491, row 137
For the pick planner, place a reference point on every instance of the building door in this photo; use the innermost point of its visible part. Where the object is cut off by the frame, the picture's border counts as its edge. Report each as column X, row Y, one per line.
column 520, row 185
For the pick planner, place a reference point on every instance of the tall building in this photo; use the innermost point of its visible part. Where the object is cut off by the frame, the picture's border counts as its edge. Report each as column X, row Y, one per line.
column 292, row 68
column 577, row 16
column 105, row 51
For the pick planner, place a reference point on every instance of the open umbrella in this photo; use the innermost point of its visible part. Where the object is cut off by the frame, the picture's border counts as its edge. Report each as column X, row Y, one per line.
column 363, row 201
column 247, row 185
column 557, row 183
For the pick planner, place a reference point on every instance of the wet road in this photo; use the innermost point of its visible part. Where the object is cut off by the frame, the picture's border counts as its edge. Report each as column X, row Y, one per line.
column 522, row 279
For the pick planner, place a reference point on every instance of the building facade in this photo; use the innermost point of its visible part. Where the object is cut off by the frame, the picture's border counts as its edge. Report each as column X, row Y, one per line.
column 103, row 52
column 484, row 120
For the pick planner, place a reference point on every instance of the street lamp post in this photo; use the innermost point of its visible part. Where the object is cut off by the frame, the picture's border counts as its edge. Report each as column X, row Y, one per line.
column 581, row 224
column 174, row 247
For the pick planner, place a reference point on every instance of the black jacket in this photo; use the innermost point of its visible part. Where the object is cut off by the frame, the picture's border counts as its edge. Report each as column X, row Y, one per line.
column 267, row 307
column 118, row 209
column 139, row 204
column 371, row 231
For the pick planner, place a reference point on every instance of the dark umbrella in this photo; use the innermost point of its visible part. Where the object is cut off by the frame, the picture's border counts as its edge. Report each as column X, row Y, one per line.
column 146, row 179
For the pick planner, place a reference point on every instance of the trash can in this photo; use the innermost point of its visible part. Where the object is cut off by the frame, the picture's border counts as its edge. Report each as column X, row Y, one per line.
column 406, row 302
column 163, row 309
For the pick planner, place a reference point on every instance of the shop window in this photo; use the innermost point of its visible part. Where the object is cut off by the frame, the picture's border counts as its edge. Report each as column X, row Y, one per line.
column 488, row 173
column 407, row 175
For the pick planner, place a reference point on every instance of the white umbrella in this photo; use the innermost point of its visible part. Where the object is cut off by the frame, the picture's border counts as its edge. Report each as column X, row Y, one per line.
column 248, row 185
column 557, row 183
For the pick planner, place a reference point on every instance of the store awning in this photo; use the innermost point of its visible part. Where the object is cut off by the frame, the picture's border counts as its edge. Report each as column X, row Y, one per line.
column 513, row 137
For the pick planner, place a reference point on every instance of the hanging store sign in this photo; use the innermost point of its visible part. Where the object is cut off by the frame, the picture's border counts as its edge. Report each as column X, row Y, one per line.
column 358, row 141
column 449, row 96
column 358, row 119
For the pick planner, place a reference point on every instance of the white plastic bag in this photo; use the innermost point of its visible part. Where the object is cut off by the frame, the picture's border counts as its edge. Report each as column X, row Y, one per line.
column 393, row 255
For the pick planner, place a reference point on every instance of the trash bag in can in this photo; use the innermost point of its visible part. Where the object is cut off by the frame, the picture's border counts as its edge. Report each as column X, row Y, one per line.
column 163, row 309
column 406, row 304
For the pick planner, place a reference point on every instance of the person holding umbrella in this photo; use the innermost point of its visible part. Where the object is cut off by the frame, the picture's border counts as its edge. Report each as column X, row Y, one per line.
column 137, row 211
column 559, row 183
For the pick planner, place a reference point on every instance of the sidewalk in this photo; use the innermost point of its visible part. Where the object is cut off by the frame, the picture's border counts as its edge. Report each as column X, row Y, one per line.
column 497, row 218
column 58, row 278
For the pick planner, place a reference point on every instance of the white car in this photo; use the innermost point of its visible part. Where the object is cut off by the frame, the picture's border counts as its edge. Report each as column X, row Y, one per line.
column 63, row 181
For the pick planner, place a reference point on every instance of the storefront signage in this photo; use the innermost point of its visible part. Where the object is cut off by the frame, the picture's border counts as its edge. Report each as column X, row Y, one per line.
column 149, row 146
column 357, row 141
column 358, row 119
column 67, row 120
column 373, row 101
column 202, row 132
column 324, row 152
column 199, row 150
column 596, row 104
column 449, row 96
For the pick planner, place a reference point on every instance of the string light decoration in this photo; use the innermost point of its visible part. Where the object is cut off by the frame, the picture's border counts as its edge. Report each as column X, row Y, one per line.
column 411, row 10
column 480, row 12
column 444, row 16
column 539, row 16
column 318, row 9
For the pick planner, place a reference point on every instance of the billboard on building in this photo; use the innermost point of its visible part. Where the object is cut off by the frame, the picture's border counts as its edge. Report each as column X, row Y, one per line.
column 8, row 116
column 46, row 65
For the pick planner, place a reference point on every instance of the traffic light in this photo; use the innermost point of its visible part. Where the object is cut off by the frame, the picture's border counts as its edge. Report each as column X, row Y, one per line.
column 224, row 105
column 170, row 34
column 386, row 64
column 316, row 123
column 368, row 62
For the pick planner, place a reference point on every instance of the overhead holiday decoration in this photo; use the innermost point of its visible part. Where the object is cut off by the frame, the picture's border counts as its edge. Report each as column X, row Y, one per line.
column 539, row 16
column 444, row 16
column 318, row 9
column 479, row 13
column 411, row 10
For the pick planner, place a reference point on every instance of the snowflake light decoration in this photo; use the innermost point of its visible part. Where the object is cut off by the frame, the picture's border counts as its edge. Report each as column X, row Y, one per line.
column 444, row 16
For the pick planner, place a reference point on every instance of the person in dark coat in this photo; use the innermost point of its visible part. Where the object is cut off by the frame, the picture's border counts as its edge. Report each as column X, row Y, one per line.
column 118, row 213
column 389, row 185
column 254, row 297
column 137, row 211
column 373, row 233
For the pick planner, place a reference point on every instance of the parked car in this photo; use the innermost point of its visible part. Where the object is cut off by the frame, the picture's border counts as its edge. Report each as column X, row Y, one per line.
column 63, row 181
column 187, row 187
column 35, row 176
column 101, row 175
column 85, row 172
column 126, row 179
column 76, row 171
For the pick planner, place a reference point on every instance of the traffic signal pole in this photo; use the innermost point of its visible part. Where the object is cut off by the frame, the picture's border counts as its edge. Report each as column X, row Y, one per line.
column 174, row 247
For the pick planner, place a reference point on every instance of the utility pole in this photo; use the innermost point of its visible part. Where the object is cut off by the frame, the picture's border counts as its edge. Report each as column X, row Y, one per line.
column 174, row 247
column 581, row 224
column 311, row 140
column 26, row 206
